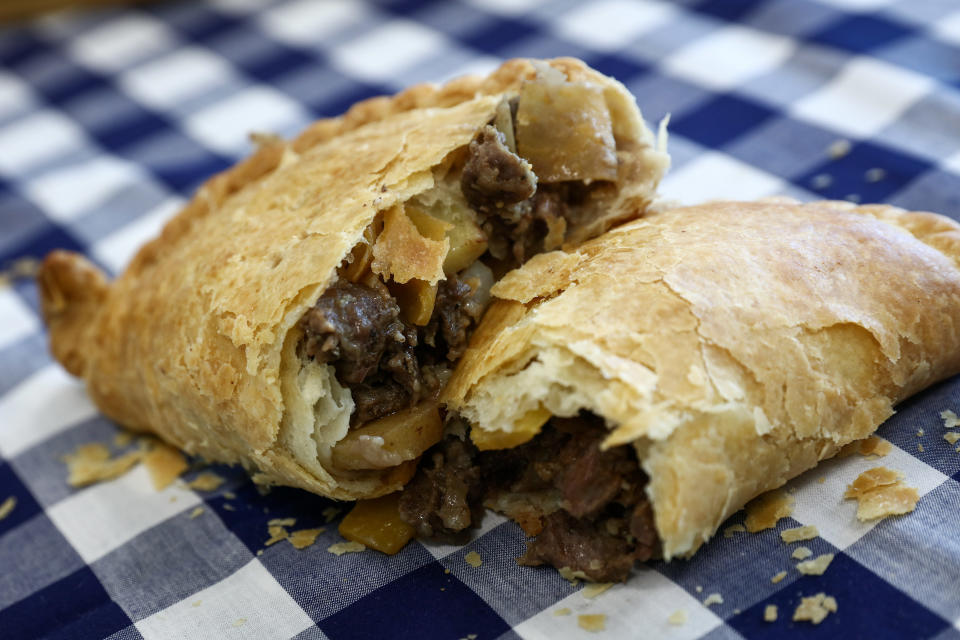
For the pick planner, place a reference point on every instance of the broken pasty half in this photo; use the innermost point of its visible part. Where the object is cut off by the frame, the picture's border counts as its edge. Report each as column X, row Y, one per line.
column 303, row 312
column 629, row 395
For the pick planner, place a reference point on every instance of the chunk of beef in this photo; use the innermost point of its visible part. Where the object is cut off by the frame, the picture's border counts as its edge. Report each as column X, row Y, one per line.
column 351, row 325
column 493, row 176
column 453, row 317
column 442, row 497
column 593, row 478
column 358, row 329
column 583, row 545
column 401, row 364
column 378, row 398
column 644, row 531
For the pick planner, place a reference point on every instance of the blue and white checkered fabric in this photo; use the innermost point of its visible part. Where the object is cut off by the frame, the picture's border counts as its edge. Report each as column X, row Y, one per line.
column 109, row 119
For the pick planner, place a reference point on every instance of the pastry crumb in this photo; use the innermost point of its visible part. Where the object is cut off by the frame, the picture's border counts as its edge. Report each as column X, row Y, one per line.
column 91, row 463
column 880, row 493
column 340, row 548
column 770, row 613
column 801, row 553
column 572, row 576
column 839, row 148
column 259, row 552
column 893, row 500
column 196, row 603
column 196, row 513
column 732, row 529
column 228, row 507
column 164, row 464
column 206, row 481
column 20, row 269
column 920, row 448
column 920, row 433
column 821, row 181
column 806, row 532
column 766, row 510
column 815, row 608
column 594, row 589
column 822, row 479
column 874, row 446
column 303, row 538
column 950, row 419
column 592, row 621
column 872, row 479
column 713, row 598
column 817, row 566
column 282, row 522
column 778, row 577
column 874, row 174
column 239, row 622
column 277, row 533
column 330, row 514
column 7, row 507
column 699, row 589
column 229, row 495
column 952, row 436
column 473, row 559
column 565, row 611
column 678, row 618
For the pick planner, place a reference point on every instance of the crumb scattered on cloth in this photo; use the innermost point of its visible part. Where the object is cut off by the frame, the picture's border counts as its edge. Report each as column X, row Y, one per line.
column 766, row 510
column 880, row 492
column 815, row 608
column 91, row 463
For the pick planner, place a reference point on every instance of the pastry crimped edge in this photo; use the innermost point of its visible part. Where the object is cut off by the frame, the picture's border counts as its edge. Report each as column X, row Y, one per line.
column 195, row 341
column 722, row 404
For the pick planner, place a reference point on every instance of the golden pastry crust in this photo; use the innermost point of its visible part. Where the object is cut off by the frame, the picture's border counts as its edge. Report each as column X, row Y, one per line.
column 733, row 344
column 193, row 340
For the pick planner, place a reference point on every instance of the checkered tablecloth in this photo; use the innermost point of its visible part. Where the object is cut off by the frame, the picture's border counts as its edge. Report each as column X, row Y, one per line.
column 109, row 119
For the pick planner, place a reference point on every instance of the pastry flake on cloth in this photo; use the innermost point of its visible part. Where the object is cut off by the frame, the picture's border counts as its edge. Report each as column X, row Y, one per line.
column 303, row 311
column 629, row 395
column 880, row 493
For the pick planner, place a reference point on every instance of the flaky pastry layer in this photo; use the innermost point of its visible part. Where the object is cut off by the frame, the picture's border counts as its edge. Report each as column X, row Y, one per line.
column 195, row 341
column 733, row 344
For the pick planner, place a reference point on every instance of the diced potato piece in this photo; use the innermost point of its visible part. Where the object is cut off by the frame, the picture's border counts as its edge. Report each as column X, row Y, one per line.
column 391, row 440
column 565, row 131
column 524, row 430
column 466, row 238
column 416, row 299
column 376, row 523
column 467, row 243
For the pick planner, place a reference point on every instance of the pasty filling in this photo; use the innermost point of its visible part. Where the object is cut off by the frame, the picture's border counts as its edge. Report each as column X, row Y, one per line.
column 587, row 508
column 410, row 294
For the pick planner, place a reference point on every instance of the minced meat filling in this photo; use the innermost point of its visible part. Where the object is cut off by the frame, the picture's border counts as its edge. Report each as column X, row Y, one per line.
column 590, row 511
column 387, row 363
